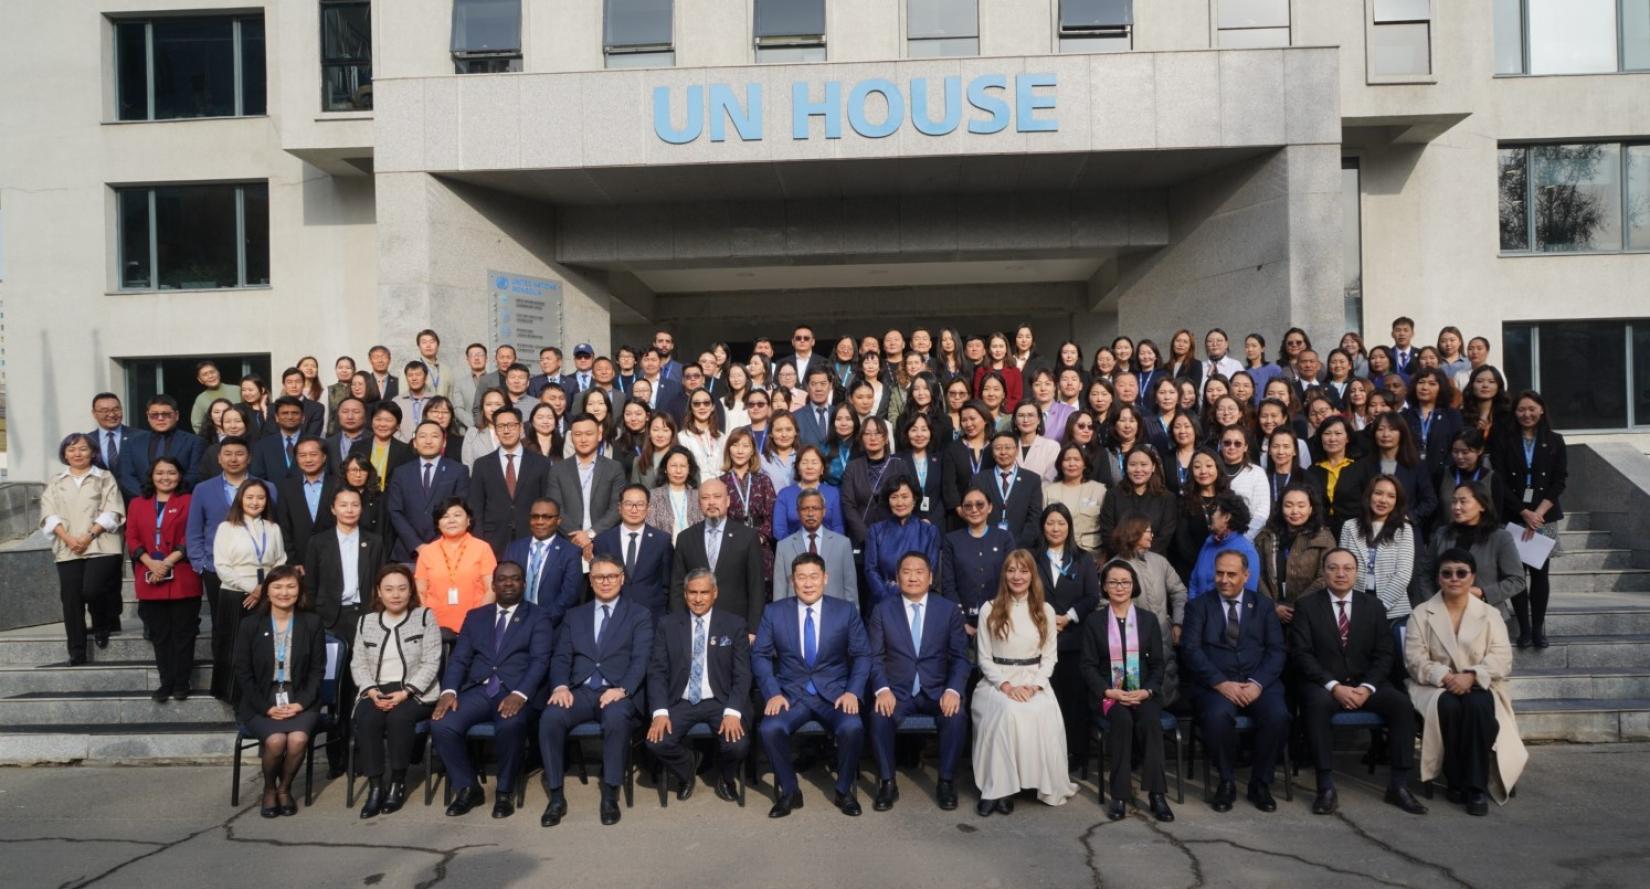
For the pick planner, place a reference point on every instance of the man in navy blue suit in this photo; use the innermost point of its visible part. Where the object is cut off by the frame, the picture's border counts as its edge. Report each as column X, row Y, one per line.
column 112, row 433
column 811, row 660
column 417, row 486
column 1234, row 650
column 919, row 664
column 596, row 675
column 163, row 438
column 275, row 456
column 555, row 567
column 813, row 418
column 646, row 552
column 496, row 670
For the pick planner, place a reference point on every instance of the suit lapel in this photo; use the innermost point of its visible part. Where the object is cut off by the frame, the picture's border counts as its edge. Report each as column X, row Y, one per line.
column 1438, row 619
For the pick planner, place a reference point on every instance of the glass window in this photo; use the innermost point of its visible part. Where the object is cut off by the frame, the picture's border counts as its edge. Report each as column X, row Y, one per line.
column 1397, row 50
column 1635, row 35
column 935, row 28
column 174, row 68
column 1595, row 398
column 814, row 53
column 346, row 55
column 1516, row 363
column 1641, row 373
column 1638, row 201
column 1509, row 36
column 1352, row 256
column 180, row 237
column 1576, row 196
column 1572, row 36
column 934, row 48
column 486, row 36
column 790, row 18
column 1254, row 14
column 1096, row 15
column 637, row 24
column 1515, row 190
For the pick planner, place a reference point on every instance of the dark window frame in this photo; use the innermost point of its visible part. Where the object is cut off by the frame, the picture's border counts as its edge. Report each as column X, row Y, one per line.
column 486, row 61
column 330, row 63
column 243, row 251
column 238, row 41
column 1624, row 206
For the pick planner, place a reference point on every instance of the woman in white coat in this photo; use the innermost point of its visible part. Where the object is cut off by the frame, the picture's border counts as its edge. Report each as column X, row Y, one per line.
column 1459, row 660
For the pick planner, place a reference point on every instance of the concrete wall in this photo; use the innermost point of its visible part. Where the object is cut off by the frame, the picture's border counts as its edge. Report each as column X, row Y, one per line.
column 1611, row 480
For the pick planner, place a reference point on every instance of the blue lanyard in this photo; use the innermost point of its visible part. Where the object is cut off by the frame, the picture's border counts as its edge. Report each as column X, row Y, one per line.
column 1476, row 475
column 921, row 465
column 1276, row 489
column 160, row 518
column 975, row 458
column 261, row 542
column 1529, row 464
column 281, row 640
column 1426, row 427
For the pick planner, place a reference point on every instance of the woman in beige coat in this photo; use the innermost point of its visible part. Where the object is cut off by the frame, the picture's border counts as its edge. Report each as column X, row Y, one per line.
column 1459, row 658
column 81, row 513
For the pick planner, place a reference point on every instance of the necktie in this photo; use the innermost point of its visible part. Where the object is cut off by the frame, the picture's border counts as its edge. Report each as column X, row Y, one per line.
column 713, row 544
column 289, row 452
column 427, row 468
column 1232, row 621
column 1342, row 625
column 112, row 450
column 535, row 564
column 601, row 623
column 493, row 682
column 1007, row 475
column 584, row 382
column 819, row 416
column 510, row 475
column 813, row 543
column 810, row 648
column 696, row 673
column 630, row 553
column 916, row 645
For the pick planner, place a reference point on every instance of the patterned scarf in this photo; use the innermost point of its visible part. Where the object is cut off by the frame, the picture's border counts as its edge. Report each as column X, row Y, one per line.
column 1125, row 654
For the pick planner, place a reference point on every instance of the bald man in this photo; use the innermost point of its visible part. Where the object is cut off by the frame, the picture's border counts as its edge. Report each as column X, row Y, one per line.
column 730, row 550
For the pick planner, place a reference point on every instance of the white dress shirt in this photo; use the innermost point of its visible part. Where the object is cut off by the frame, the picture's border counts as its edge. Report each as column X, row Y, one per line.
column 349, row 558
column 1335, row 612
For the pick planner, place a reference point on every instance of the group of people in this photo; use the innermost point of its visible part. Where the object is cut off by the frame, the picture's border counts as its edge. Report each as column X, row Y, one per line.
column 752, row 546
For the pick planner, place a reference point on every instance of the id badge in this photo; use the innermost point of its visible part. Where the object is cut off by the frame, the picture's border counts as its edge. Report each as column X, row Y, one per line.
column 1003, row 524
column 452, row 595
column 1529, row 495
column 282, row 699
column 923, row 507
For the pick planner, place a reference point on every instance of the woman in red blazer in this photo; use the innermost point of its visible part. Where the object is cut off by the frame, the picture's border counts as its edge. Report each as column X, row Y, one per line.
column 168, row 590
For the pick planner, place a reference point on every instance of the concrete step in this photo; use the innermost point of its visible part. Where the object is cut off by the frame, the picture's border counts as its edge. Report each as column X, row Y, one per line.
column 1592, row 559
column 1594, row 614
column 1574, row 540
column 109, row 708
column 61, row 677
column 1575, row 521
column 1563, row 683
column 1565, row 580
column 1584, row 720
column 36, row 646
column 135, row 743
column 1582, row 653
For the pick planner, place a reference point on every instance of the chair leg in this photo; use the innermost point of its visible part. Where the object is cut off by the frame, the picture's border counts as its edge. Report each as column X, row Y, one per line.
column 1288, row 775
column 630, row 775
column 1179, row 767
column 433, row 775
column 349, row 776
column 309, row 774
column 235, row 771
column 1100, row 766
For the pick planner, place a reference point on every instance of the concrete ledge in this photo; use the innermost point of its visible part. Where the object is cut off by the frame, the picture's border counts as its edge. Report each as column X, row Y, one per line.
column 1613, row 480
column 28, row 574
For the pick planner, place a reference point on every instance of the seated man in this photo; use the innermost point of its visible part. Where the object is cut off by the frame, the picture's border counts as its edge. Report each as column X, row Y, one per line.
column 919, row 664
column 1234, row 652
column 811, row 661
column 496, row 669
column 700, row 673
column 1342, row 651
column 601, row 659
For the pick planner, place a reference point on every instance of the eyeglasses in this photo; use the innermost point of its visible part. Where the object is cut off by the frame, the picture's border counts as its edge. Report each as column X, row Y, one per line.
column 545, row 515
column 1119, row 583
column 1231, row 444
column 973, row 504
column 160, row 415
column 1454, row 573
column 802, row 339
column 606, row 577
column 763, row 403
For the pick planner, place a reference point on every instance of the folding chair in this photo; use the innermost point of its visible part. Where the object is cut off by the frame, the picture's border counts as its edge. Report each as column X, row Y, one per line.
column 585, row 731
column 700, row 732
column 1245, row 725
column 327, row 723
column 1170, row 724
column 478, row 733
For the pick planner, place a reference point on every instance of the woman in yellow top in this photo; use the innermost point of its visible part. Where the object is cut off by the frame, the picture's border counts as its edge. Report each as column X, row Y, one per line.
column 82, row 514
column 1334, row 436
column 455, row 570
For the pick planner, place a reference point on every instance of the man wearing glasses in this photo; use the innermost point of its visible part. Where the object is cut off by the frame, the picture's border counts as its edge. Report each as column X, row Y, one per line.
column 802, row 352
column 163, row 438
column 112, row 434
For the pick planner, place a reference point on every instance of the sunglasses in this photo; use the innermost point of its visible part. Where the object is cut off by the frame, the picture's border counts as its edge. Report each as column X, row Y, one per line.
column 1454, row 573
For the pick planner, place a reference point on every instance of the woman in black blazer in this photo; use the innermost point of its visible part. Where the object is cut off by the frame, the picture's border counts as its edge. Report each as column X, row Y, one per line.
column 358, row 475
column 1072, row 588
column 1393, row 453
column 1130, row 699
column 280, row 660
column 920, row 448
column 1536, row 467
column 961, row 460
column 1432, row 421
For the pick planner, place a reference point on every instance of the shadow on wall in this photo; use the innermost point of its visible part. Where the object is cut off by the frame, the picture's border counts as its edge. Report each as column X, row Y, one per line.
column 338, row 200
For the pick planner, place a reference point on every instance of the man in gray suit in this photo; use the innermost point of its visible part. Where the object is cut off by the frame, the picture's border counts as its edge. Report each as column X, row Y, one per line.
column 841, row 579
column 588, row 487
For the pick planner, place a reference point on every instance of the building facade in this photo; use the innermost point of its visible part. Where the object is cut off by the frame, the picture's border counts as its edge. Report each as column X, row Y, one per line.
column 311, row 177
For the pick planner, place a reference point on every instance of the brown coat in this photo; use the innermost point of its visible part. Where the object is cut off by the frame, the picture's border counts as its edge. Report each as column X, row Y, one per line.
column 1304, row 572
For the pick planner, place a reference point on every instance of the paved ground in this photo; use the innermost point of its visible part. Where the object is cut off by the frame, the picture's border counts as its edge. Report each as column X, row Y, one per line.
column 1579, row 821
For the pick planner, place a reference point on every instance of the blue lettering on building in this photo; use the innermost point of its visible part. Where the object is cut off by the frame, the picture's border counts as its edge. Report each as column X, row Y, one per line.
column 874, row 109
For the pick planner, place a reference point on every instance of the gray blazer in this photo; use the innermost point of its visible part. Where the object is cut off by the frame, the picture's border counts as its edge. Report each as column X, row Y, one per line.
column 841, row 580
column 606, row 487
column 419, row 640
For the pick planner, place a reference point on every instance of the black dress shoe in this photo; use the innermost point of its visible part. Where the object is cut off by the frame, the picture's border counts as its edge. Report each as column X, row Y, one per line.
column 1403, row 799
column 1005, row 806
column 270, row 811
column 1225, row 793
column 1115, row 810
column 985, row 807
column 289, row 806
column 1523, row 640
column 374, row 802
column 1160, row 807
column 887, row 794
column 684, row 789
column 504, row 805
column 848, row 803
column 945, row 794
column 160, row 695
column 77, row 660
column 1456, row 796
column 785, row 804
column 1261, row 796
column 1539, row 637
column 610, row 804
column 1325, row 802
column 1478, row 803
column 465, row 800
column 102, row 640
column 727, row 791
column 181, row 693
column 395, row 797
column 555, row 811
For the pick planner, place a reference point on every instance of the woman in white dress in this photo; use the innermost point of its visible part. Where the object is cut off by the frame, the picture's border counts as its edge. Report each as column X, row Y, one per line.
column 1019, row 736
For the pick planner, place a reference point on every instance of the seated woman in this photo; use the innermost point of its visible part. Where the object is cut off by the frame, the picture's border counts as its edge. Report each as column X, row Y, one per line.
column 1158, row 589
column 1459, row 658
column 1019, row 735
column 1227, row 524
column 888, row 541
column 396, row 662
column 1123, row 665
column 280, row 659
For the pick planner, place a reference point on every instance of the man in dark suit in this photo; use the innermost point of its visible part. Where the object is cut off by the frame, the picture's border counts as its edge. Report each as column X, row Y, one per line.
column 388, row 384
column 314, row 413
column 811, row 661
column 646, row 552
column 505, row 483
column 1342, row 651
column 414, row 489
column 700, row 673
column 587, row 486
column 731, row 550
column 275, row 457
column 496, row 671
column 665, row 389
column 813, row 418
column 302, row 501
column 664, row 342
column 919, row 664
column 1233, row 649
column 1016, row 495
column 112, row 434
column 163, row 438
column 555, row 568
column 351, row 428
column 804, row 358
column 601, row 660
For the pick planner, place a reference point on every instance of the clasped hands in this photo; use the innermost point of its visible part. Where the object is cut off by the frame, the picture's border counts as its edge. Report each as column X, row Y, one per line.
column 1241, row 694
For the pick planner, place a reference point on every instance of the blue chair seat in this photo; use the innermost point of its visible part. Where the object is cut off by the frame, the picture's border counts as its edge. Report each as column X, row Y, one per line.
column 1357, row 719
column 918, row 723
column 1245, row 724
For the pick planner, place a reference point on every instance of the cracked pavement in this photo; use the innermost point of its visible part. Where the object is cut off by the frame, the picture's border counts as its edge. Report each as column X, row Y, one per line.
column 1572, row 825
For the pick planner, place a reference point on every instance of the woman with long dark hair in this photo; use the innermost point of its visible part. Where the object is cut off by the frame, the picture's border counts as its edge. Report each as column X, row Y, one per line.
column 1072, row 587
column 1537, row 467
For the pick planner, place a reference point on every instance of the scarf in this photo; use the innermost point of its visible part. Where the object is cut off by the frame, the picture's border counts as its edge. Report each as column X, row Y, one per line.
column 1125, row 655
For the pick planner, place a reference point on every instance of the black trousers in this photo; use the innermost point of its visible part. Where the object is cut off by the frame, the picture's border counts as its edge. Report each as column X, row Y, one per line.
column 1129, row 726
column 173, row 625
column 672, row 749
column 1318, row 705
column 1531, row 605
column 378, row 732
column 1469, row 727
column 1077, row 710
column 226, row 623
column 84, row 585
